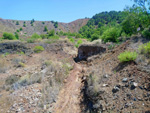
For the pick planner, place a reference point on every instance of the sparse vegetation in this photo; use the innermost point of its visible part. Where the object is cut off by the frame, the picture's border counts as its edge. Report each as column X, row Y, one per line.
column 145, row 49
column 146, row 33
column 38, row 49
column 127, row 56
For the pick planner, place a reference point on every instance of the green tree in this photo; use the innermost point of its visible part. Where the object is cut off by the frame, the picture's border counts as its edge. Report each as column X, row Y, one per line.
column 24, row 25
column 51, row 32
column 21, row 29
column 16, row 35
column 45, row 28
column 145, row 4
column 56, row 24
column 17, row 22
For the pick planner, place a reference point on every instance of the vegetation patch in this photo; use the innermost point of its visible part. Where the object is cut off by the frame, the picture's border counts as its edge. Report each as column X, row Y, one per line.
column 38, row 49
column 127, row 56
column 9, row 36
column 145, row 49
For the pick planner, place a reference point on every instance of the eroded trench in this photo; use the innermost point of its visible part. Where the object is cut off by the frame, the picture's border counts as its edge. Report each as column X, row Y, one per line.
column 86, row 53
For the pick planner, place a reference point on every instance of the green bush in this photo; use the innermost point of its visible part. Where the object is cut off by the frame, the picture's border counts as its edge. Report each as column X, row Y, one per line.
column 45, row 29
column 9, row 36
column 38, row 49
column 17, row 22
column 35, row 36
column 79, row 41
column 146, row 33
column 95, row 37
column 21, row 29
column 111, row 34
column 145, row 49
column 16, row 35
column 72, row 40
column 51, row 32
column 127, row 56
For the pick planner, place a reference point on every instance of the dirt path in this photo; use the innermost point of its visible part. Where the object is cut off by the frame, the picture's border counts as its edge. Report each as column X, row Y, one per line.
column 70, row 95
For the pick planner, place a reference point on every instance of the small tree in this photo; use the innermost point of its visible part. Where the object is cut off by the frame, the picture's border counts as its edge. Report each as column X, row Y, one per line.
column 24, row 25
column 17, row 23
column 16, row 35
column 56, row 24
column 21, row 29
column 51, row 32
column 45, row 28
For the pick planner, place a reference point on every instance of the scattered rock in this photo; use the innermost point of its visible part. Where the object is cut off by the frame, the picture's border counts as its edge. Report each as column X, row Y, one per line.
column 125, row 80
column 115, row 89
column 133, row 85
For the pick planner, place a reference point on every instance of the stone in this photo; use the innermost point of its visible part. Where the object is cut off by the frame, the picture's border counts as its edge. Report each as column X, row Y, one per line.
column 125, row 80
column 133, row 85
column 105, row 85
column 106, row 76
column 115, row 89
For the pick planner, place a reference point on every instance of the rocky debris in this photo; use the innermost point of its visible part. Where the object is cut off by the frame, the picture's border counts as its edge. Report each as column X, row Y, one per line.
column 126, row 90
column 14, row 47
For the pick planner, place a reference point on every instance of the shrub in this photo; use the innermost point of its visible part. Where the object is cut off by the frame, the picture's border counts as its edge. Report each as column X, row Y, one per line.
column 111, row 34
column 51, row 32
column 56, row 24
column 35, row 36
column 17, row 23
column 45, row 28
column 145, row 49
column 21, row 29
column 78, row 36
column 146, row 33
column 44, row 36
column 38, row 49
column 127, row 56
column 18, row 30
column 8, row 36
column 95, row 37
column 11, row 79
column 78, row 43
column 72, row 40
column 21, row 64
column 16, row 35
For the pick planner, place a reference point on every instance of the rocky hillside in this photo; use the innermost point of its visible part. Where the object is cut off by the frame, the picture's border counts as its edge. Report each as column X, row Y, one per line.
column 38, row 26
column 57, row 79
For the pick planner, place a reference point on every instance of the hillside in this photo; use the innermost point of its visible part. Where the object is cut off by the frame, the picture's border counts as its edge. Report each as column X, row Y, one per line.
column 38, row 26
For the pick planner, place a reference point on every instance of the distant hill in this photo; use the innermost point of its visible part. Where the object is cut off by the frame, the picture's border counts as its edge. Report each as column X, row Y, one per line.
column 38, row 26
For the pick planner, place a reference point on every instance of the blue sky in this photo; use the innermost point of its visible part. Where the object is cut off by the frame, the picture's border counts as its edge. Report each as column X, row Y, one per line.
column 58, row 10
